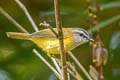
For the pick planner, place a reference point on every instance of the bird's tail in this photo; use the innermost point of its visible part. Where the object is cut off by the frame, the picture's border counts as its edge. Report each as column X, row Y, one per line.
column 16, row 35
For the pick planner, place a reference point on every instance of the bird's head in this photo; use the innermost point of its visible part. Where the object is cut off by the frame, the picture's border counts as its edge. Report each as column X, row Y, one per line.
column 81, row 35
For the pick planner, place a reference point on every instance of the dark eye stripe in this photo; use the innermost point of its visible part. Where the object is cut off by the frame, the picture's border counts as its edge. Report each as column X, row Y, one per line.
column 83, row 35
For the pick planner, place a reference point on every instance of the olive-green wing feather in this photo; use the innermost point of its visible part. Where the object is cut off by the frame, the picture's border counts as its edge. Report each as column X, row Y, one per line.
column 47, row 33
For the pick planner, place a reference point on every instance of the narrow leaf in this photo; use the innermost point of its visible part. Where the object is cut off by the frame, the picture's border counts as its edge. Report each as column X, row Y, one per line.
column 106, row 23
column 111, row 5
column 106, row 6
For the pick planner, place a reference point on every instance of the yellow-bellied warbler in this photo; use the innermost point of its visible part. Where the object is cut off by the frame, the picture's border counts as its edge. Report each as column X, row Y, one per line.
column 47, row 40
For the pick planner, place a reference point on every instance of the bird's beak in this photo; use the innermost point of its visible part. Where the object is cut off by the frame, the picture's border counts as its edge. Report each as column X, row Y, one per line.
column 91, row 39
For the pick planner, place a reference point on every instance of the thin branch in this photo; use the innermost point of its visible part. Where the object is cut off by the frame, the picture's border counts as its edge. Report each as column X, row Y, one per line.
column 90, row 22
column 60, row 34
column 80, row 66
column 49, row 26
column 95, row 20
column 4, row 13
column 49, row 65
column 27, row 14
column 78, row 77
column 90, row 14
column 68, row 74
column 56, row 65
column 73, row 72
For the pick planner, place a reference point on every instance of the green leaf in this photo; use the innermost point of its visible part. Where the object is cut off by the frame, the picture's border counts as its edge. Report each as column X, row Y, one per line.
column 106, row 23
column 107, row 6
column 111, row 5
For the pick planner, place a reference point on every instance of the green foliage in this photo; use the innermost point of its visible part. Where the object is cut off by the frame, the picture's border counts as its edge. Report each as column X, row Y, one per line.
column 106, row 23
column 111, row 5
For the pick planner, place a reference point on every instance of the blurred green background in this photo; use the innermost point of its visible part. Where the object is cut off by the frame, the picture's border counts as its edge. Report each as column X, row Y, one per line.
column 17, row 61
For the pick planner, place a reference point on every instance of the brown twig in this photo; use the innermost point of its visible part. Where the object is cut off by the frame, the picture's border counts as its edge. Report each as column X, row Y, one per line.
column 72, row 71
column 95, row 20
column 90, row 14
column 50, row 27
column 60, row 34
column 90, row 22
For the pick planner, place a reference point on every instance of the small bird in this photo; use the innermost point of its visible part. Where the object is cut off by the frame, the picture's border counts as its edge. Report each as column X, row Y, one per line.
column 47, row 40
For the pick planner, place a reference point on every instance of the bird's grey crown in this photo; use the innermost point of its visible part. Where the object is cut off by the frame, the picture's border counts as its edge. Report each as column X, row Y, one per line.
column 81, row 29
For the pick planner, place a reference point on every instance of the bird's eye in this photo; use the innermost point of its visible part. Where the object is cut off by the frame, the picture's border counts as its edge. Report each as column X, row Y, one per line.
column 81, row 34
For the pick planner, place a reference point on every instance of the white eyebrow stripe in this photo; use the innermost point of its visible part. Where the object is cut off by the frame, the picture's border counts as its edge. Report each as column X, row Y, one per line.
column 82, row 31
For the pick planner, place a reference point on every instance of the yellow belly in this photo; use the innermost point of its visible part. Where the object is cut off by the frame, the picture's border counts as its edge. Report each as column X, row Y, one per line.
column 51, row 45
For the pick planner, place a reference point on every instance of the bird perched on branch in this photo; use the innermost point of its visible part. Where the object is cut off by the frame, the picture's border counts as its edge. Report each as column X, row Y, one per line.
column 47, row 40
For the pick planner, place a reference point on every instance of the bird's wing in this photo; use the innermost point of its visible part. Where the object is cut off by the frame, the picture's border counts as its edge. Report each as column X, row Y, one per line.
column 47, row 33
